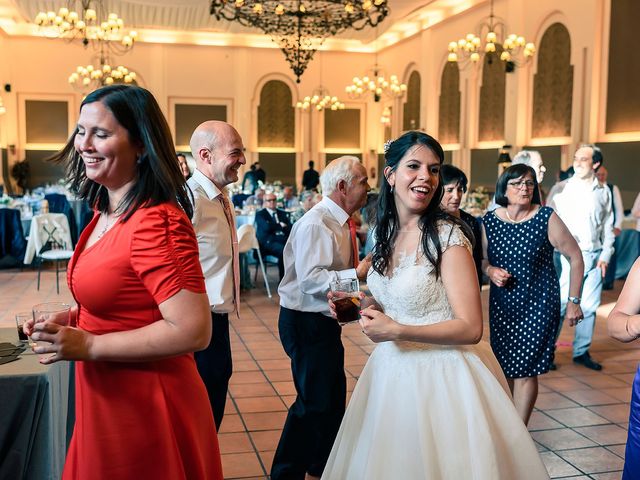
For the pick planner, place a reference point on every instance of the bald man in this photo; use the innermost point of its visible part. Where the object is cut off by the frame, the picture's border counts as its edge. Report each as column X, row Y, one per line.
column 219, row 153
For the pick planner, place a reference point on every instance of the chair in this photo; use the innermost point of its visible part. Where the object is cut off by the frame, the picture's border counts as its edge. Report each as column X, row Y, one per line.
column 247, row 241
column 58, row 203
column 49, row 241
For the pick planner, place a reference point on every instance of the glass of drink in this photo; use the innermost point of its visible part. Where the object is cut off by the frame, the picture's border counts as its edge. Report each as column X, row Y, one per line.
column 21, row 319
column 346, row 298
column 56, row 312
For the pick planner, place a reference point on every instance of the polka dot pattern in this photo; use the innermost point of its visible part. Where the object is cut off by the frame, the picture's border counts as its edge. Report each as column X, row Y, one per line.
column 523, row 315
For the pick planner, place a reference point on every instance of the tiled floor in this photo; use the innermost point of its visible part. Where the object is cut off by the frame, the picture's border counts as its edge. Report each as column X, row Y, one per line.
column 579, row 423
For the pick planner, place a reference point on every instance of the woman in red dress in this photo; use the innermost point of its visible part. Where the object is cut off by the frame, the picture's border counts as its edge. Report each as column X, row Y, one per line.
column 142, row 410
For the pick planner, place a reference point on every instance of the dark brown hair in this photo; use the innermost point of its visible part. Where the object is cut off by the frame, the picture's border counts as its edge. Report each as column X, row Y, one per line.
column 158, row 175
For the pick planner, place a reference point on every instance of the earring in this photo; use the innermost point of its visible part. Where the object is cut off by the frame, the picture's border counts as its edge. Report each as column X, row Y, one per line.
column 391, row 188
column 138, row 159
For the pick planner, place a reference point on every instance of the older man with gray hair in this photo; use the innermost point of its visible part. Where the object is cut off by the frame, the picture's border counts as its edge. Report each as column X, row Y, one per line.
column 319, row 250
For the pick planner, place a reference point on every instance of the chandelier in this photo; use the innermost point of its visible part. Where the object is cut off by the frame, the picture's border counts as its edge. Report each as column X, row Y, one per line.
column 299, row 27
column 385, row 118
column 101, row 73
column 90, row 25
column 513, row 49
column 376, row 82
column 320, row 99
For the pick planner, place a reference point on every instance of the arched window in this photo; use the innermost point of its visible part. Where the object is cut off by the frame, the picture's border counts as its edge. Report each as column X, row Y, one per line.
column 492, row 98
column 276, row 118
column 449, row 115
column 411, row 111
column 553, row 85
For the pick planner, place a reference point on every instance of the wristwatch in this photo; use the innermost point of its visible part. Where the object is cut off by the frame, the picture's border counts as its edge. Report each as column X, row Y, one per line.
column 575, row 300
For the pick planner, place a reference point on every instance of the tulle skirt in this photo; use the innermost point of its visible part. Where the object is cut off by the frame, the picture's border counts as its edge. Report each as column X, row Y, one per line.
column 429, row 412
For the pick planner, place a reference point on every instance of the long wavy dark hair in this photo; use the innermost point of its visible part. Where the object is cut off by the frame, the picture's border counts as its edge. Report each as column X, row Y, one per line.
column 158, row 175
column 387, row 216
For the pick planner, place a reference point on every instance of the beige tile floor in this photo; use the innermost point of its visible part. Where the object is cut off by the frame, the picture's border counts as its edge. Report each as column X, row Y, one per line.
column 579, row 423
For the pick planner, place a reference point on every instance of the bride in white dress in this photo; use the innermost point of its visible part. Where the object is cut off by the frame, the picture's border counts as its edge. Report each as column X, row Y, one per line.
column 431, row 403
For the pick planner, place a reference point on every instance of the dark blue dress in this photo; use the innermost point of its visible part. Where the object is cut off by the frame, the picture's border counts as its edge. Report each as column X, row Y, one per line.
column 632, row 452
column 524, row 314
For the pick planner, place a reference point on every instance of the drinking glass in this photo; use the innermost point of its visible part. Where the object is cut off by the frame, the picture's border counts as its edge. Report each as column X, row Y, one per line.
column 57, row 312
column 21, row 319
column 346, row 298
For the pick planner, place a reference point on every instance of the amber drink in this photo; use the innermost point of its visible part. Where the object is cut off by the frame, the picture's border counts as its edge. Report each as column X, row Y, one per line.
column 346, row 299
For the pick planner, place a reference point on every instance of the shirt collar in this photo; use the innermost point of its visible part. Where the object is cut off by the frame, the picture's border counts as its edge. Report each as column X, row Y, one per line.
column 594, row 182
column 205, row 182
column 340, row 215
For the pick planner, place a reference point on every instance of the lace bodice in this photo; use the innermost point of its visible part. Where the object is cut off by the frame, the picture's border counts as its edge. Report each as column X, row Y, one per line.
column 412, row 295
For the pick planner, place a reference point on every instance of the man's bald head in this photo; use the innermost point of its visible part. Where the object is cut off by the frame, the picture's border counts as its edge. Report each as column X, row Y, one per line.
column 218, row 150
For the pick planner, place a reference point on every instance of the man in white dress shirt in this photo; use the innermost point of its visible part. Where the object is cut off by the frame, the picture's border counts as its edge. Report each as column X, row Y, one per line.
column 319, row 250
column 585, row 206
column 219, row 153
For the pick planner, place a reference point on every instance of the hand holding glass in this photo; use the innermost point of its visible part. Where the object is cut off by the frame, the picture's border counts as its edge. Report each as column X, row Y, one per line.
column 346, row 299
column 55, row 312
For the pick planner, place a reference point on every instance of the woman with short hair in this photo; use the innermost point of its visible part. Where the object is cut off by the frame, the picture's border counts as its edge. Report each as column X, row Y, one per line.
column 524, row 302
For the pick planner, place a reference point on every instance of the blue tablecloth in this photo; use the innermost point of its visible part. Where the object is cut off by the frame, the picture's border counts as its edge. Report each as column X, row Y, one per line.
column 627, row 251
column 12, row 241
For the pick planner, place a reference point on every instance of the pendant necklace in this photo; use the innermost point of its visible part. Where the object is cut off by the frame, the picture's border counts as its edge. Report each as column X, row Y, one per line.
column 107, row 226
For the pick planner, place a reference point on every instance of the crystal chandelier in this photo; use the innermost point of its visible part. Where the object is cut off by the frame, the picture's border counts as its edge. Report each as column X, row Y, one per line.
column 101, row 73
column 320, row 100
column 90, row 25
column 376, row 82
column 385, row 119
column 299, row 27
column 513, row 49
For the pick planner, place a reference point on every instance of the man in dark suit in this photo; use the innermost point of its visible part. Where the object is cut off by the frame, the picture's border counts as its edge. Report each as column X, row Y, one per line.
column 272, row 229
column 310, row 178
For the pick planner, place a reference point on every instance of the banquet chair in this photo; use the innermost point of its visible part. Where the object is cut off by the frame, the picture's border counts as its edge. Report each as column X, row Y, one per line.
column 58, row 203
column 247, row 242
column 49, row 241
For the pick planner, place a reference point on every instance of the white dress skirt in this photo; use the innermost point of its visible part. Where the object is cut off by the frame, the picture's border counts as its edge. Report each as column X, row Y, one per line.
column 430, row 412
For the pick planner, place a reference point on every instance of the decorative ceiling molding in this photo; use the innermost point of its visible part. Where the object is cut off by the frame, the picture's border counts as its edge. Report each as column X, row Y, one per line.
column 189, row 22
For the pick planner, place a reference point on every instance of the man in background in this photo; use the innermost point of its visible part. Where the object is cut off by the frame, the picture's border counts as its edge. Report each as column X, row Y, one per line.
column 310, row 178
column 272, row 229
column 218, row 150
column 602, row 174
column 585, row 206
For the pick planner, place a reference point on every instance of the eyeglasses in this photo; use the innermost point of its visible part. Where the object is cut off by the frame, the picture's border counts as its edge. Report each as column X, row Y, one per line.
column 522, row 183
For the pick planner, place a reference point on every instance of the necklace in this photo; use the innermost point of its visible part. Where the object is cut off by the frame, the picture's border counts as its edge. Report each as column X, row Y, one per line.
column 107, row 225
column 506, row 211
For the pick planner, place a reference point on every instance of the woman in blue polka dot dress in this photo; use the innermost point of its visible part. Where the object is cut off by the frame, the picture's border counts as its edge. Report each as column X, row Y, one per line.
column 524, row 312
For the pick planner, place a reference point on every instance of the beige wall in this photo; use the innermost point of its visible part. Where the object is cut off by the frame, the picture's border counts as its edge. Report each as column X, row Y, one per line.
column 36, row 66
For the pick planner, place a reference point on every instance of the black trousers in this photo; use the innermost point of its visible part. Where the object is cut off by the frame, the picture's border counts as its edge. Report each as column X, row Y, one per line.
column 313, row 343
column 215, row 365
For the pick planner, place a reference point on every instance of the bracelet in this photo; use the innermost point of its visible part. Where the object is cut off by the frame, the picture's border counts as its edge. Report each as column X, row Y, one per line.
column 626, row 327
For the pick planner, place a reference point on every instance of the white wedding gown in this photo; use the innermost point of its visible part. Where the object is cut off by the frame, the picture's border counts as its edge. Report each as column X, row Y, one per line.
column 430, row 412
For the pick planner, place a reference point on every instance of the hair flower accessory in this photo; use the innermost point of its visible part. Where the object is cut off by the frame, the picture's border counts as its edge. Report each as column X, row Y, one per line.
column 387, row 145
